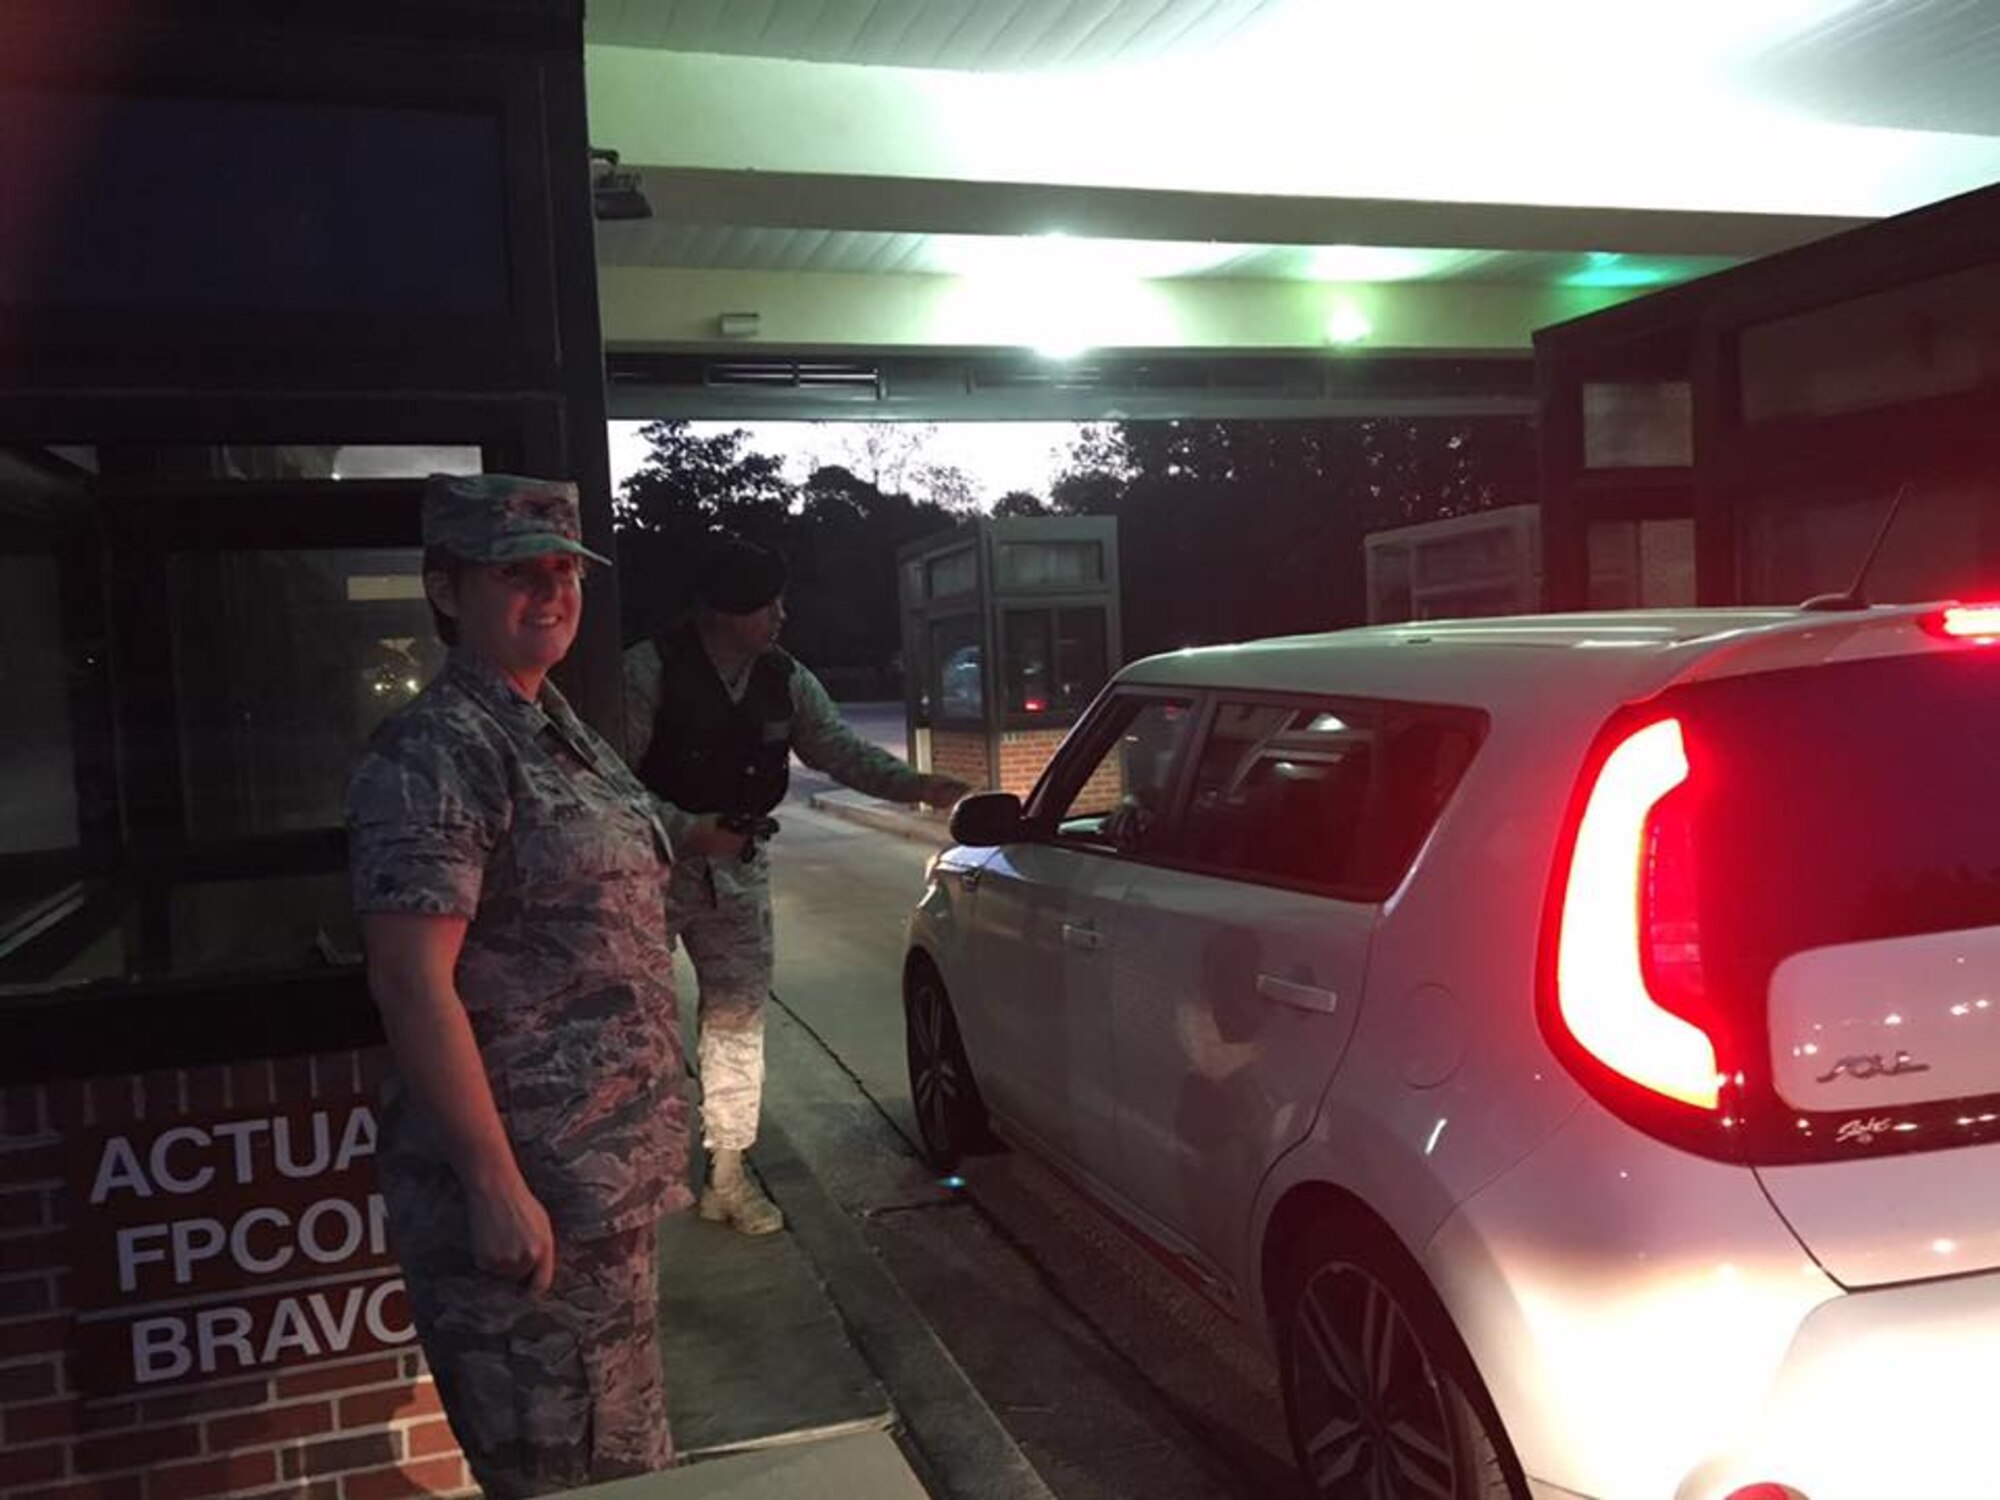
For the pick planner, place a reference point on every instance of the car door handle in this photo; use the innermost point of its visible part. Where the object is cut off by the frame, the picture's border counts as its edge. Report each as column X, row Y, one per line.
column 1291, row 992
column 1082, row 935
column 968, row 880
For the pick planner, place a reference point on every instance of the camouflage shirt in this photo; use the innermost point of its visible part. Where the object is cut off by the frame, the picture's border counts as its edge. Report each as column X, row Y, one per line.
column 474, row 802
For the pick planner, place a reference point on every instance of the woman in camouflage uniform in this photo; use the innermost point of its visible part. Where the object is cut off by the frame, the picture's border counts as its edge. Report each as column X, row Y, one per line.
column 508, row 871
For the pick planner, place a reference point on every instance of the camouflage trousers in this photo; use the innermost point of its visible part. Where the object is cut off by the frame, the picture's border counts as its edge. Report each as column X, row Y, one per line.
column 721, row 912
column 553, row 1392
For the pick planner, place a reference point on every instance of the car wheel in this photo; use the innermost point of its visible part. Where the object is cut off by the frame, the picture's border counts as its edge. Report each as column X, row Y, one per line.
column 951, row 1117
column 1379, row 1395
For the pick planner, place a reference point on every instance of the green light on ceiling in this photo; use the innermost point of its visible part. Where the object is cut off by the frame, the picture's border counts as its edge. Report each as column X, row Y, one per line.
column 1608, row 268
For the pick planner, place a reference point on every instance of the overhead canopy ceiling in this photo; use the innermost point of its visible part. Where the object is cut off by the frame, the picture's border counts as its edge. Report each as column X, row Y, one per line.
column 1392, row 176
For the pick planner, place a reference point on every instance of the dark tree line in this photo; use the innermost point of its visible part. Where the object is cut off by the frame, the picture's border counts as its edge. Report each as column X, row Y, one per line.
column 1227, row 529
column 839, row 533
column 1234, row 529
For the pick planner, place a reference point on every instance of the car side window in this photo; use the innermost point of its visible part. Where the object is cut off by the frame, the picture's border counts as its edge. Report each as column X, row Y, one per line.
column 1338, row 796
column 1280, row 791
column 1120, row 801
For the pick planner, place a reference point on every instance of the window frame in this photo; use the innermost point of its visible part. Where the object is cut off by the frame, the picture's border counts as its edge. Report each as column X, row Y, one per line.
column 1070, row 770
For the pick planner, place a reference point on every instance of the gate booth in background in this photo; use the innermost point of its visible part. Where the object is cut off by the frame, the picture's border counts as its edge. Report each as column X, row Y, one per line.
column 260, row 270
column 1748, row 431
column 1009, row 629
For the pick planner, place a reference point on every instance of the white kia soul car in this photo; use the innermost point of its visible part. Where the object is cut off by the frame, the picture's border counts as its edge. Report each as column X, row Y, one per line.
column 1574, row 1040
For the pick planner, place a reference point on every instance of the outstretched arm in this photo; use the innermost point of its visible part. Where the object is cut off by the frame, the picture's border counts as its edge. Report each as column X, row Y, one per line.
column 823, row 741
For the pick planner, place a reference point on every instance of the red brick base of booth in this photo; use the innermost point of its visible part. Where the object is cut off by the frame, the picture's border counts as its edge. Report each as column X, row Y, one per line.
column 196, row 1298
column 955, row 753
column 1024, row 755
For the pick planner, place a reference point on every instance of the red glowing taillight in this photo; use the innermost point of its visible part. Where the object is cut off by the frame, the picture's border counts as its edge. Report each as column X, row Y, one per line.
column 1628, row 953
column 1977, row 623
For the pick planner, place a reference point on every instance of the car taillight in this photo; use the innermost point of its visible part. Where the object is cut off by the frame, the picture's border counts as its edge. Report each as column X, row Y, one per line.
column 1628, row 947
column 1978, row 623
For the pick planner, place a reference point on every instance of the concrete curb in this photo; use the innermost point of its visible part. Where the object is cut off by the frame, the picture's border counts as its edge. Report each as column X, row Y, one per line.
column 960, row 1448
column 928, row 828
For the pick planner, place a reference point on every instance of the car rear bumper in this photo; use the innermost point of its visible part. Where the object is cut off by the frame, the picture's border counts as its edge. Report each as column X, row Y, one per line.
column 1883, row 1392
column 1630, row 1307
column 1648, row 1326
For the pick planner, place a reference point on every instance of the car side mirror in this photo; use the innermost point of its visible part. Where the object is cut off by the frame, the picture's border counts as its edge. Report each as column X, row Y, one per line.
column 987, row 819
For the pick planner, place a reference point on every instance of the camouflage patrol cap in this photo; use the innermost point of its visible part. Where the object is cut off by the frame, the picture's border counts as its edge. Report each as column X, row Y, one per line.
column 492, row 518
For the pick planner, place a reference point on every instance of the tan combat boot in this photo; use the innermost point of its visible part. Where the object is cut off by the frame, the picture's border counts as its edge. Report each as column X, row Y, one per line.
column 732, row 1198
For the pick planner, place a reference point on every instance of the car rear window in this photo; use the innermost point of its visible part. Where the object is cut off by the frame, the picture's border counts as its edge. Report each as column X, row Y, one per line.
column 1844, row 804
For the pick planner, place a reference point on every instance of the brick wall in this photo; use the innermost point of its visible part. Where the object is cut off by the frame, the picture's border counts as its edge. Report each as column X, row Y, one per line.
column 963, row 755
column 1024, row 754
column 1105, row 789
column 367, row 1427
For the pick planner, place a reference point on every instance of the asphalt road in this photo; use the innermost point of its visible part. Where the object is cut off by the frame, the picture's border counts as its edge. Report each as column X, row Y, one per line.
column 1113, row 1379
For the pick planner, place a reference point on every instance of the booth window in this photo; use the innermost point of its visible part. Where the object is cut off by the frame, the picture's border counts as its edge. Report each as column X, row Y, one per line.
column 1911, row 343
column 1638, row 425
column 38, row 804
column 1028, row 565
column 954, row 573
column 284, row 663
column 958, row 688
column 194, row 677
column 1055, row 661
column 293, row 461
column 261, row 206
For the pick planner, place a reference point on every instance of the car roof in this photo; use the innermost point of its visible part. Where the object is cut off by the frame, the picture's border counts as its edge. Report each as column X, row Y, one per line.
column 1505, row 660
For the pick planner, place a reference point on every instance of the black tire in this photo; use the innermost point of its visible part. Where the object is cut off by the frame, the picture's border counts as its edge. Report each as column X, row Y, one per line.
column 951, row 1117
column 1380, row 1396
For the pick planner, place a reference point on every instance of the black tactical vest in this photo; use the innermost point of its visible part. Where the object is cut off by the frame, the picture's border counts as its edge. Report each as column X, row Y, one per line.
column 709, row 755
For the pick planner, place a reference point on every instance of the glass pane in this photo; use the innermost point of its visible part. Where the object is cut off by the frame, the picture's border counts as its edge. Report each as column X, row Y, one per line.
column 1857, row 807
column 959, row 689
column 1280, row 791
column 284, row 923
column 1944, row 543
column 251, row 461
column 1050, row 564
column 38, row 807
column 284, row 662
column 1628, row 426
column 1081, row 666
column 1121, row 802
column 1641, row 564
column 1026, row 638
column 1389, row 595
column 955, row 573
column 1923, row 339
column 254, row 206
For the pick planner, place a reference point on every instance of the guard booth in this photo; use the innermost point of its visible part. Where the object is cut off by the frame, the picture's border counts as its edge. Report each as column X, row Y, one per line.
column 1010, row 627
column 261, row 268
column 1487, row 563
column 1739, row 439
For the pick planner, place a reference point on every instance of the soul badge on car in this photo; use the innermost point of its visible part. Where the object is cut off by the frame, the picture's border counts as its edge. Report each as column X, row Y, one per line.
column 1870, row 1065
column 1864, row 1130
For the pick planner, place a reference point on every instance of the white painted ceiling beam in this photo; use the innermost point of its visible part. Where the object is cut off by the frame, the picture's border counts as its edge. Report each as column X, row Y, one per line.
column 806, row 200
column 823, row 312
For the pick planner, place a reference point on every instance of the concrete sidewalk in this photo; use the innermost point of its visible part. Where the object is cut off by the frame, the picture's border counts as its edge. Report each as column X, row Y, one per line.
column 795, row 1365
column 863, row 1466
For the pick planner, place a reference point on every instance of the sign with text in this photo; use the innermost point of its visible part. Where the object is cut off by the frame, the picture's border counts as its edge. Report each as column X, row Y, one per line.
column 212, row 1248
